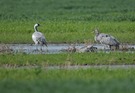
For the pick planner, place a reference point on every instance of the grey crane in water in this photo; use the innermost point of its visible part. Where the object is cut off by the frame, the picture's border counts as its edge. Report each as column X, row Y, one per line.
column 106, row 39
column 38, row 37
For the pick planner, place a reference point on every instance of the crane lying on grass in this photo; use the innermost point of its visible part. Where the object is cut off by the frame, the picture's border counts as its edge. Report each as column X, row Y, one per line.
column 106, row 39
column 38, row 37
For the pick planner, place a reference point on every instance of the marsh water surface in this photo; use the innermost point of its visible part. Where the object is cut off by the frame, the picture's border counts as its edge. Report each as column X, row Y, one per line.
column 61, row 48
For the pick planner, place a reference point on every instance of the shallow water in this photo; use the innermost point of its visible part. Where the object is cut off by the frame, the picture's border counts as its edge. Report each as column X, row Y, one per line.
column 37, row 49
column 74, row 67
column 61, row 48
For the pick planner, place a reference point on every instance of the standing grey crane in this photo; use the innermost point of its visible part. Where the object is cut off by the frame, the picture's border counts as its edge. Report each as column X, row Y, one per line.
column 38, row 37
column 106, row 39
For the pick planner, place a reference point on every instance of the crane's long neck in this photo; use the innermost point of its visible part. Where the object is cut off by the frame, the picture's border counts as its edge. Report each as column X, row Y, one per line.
column 97, row 32
column 35, row 28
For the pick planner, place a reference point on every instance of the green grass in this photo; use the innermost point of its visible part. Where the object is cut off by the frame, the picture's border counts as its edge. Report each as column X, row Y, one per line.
column 66, row 20
column 65, row 32
column 67, row 81
column 87, row 10
column 68, row 59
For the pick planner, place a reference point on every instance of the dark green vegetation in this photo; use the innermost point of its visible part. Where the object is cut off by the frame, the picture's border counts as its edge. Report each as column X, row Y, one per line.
column 66, row 20
column 67, row 81
column 72, row 10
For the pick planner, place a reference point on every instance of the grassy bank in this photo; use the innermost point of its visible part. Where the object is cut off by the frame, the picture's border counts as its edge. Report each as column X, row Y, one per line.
column 67, row 59
column 65, row 32
column 68, row 81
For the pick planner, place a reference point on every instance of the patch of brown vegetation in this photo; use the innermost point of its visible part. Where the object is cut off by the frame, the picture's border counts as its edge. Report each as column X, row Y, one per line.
column 5, row 49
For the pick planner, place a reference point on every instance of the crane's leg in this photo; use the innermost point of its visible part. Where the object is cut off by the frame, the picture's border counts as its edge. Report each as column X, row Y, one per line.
column 36, row 47
column 42, row 49
column 117, row 47
column 110, row 47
